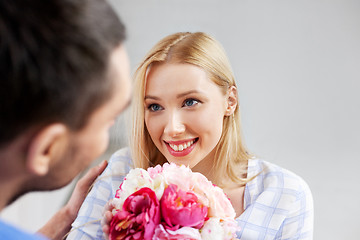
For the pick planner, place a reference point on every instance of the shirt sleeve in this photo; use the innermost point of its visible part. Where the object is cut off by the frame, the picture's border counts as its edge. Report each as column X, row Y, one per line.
column 299, row 222
column 278, row 205
column 87, row 225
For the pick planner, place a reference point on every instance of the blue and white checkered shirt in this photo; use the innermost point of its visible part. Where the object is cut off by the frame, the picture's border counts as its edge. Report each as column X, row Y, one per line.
column 278, row 204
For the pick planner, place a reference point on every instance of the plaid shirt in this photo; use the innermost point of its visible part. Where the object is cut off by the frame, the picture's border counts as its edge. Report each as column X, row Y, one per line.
column 278, row 204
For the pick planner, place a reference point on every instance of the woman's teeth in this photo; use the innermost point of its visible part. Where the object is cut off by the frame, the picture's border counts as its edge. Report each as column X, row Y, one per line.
column 181, row 147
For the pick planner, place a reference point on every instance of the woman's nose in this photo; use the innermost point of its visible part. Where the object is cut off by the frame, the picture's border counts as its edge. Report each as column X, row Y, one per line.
column 174, row 125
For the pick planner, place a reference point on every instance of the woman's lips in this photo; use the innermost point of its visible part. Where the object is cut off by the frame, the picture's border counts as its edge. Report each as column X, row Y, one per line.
column 181, row 148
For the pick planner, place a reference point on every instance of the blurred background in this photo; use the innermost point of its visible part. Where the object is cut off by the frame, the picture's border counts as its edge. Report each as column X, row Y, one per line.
column 297, row 65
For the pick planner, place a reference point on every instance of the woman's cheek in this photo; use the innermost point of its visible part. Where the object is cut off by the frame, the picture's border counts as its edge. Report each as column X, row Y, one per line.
column 152, row 127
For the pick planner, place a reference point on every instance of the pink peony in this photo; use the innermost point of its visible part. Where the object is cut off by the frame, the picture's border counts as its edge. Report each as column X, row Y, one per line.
column 118, row 192
column 171, row 202
column 185, row 233
column 182, row 209
column 138, row 218
column 154, row 171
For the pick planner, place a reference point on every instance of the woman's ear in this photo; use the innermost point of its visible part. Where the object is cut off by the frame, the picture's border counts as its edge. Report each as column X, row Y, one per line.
column 231, row 101
column 43, row 148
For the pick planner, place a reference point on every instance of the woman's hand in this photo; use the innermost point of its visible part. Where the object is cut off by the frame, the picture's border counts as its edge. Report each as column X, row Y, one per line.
column 107, row 216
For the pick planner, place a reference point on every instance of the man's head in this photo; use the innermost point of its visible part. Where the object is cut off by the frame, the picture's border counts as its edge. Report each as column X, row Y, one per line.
column 64, row 78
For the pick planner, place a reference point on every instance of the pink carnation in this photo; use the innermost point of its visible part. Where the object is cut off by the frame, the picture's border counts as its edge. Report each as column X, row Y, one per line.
column 138, row 218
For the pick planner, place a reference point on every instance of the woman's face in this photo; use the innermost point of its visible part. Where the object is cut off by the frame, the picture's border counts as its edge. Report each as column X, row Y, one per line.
column 184, row 112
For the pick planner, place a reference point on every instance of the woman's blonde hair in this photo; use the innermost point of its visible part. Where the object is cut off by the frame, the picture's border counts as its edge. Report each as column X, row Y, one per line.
column 201, row 50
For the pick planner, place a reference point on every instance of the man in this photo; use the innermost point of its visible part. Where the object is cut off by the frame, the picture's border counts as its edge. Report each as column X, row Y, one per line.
column 64, row 78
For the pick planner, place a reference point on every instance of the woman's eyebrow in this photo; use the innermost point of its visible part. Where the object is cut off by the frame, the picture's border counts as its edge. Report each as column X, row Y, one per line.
column 151, row 97
column 180, row 95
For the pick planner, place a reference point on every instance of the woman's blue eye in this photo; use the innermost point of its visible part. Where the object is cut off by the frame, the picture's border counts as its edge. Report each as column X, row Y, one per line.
column 190, row 102
column 155, row 107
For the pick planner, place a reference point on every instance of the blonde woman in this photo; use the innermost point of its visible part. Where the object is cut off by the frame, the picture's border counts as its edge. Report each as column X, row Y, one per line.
column 185, row 111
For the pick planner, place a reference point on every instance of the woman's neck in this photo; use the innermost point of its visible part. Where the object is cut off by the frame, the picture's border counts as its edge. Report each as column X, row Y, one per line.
column 236, row 196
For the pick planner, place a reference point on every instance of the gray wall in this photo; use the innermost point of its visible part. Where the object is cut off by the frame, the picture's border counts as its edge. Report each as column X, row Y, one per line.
column 297, row 65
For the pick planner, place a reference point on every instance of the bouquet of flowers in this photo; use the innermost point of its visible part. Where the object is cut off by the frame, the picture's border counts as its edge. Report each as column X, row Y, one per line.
column 171, row 202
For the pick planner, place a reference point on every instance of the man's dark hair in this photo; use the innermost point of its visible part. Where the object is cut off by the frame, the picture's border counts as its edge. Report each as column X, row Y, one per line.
column 54, row 58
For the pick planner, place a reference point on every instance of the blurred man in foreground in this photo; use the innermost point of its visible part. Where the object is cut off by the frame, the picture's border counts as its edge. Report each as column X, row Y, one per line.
column 64, row 79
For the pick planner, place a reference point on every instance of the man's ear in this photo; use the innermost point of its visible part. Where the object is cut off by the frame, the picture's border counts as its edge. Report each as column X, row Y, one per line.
column 231, row 101
column 43, row 146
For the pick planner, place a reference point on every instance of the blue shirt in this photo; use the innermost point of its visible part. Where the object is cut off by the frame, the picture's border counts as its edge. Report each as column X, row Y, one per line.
column 8, row 232
column 277, row 203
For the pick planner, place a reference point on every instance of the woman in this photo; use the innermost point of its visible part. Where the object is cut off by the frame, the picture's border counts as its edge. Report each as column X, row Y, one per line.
column 185, row 110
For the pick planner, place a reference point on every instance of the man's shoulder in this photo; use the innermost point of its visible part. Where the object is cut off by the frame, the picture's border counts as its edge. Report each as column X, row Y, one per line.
column 10, row 232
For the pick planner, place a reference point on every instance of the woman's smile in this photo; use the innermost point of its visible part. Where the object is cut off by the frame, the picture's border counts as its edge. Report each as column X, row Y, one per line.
column 181, row 148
